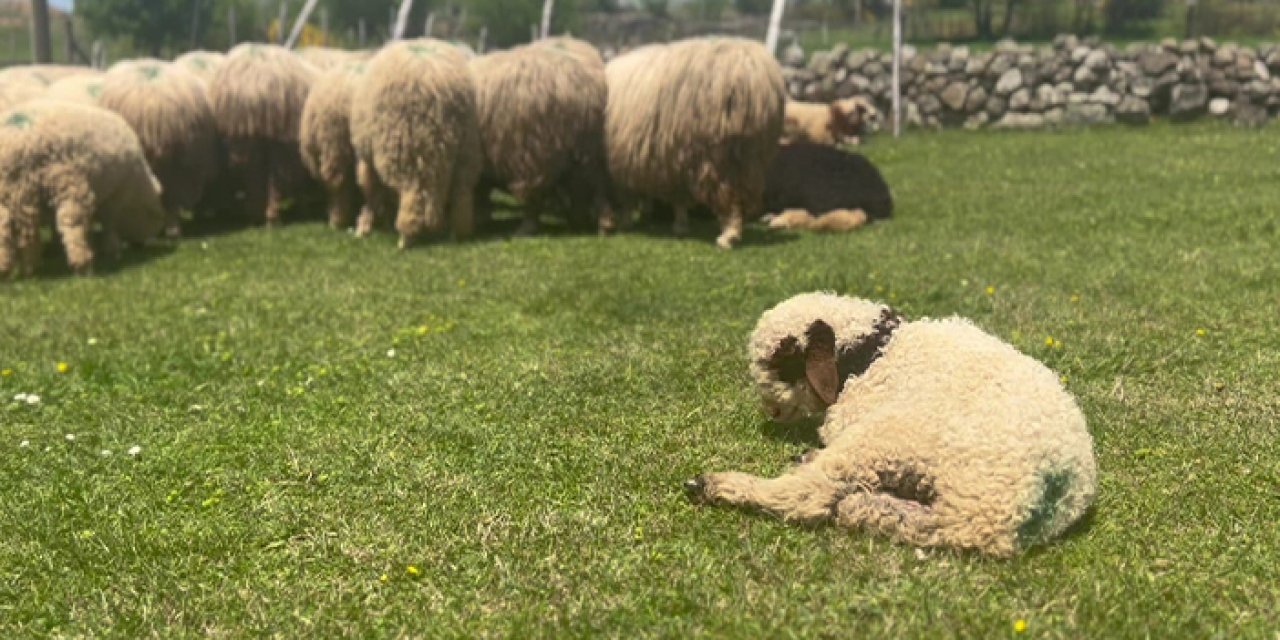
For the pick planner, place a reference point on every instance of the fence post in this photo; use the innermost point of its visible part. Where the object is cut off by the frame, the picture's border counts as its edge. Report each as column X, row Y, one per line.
column 431, row 24
column 484, row 35
column 41, row 42
column 897, row 68
column 775, row 23
column 300, row 23
column 547, row 7
column 280, row 22
column 231, row 24
column 402, row 19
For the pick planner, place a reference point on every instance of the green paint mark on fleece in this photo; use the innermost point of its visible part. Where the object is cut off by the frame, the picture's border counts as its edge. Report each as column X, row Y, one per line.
column 1055, row 488
column 18, row 120
column 151, row 71
column 419, row 49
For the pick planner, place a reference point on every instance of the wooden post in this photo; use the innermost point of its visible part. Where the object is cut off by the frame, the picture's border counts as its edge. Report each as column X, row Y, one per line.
column 775, row 23
column 547, row 7
column 300, row 23
column 281, row 21
column 41, row 42
column 195, row 22
column 402, row 19
column 897, row 68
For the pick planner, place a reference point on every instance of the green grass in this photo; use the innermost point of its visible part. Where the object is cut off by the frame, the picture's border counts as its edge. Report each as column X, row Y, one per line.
column 523, row 450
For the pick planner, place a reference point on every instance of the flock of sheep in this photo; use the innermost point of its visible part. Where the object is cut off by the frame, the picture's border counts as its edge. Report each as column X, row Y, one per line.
column 987, row 453
column 418, row 132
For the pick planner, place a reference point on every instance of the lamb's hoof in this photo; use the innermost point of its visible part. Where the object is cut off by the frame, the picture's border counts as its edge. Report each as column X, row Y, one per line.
column 405, row 243
column 696, row 489
column 804, row 458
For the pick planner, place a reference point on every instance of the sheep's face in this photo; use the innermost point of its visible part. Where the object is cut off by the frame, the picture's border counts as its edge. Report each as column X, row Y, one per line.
column 856, row 116
column 803, row 349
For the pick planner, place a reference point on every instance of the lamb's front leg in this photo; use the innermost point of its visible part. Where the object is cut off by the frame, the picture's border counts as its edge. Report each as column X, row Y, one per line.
column 803, row 494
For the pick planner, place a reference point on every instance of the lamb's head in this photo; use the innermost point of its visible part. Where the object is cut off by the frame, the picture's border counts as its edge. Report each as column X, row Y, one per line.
column 804, row 349
column 855, row 116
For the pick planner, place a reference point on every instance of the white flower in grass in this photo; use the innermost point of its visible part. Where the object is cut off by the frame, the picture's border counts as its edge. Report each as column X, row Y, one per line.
column 33, row 399
column 71, row 437
column 93, row 341
column 24, row 444
column 135, row 450
column 391, row 353
column 105, row 452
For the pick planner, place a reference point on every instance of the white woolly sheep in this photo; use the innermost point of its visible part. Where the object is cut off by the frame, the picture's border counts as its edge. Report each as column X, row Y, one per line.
column 28, row 82
column 325, row 140
column 413, row 125
column 841, row 122
column 201, row 64
column 695, row 122
column 83, row 88
column 328, row 58
column 257, row 96
column 935, row 433
column 540, row 109
column 77, row 165
column 167, row 107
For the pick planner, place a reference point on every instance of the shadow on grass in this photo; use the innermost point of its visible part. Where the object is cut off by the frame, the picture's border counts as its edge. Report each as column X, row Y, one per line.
column 53, row 259
column 800, row 433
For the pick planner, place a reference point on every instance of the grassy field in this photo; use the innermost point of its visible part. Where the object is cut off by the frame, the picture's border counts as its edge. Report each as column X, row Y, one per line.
column 488, row 439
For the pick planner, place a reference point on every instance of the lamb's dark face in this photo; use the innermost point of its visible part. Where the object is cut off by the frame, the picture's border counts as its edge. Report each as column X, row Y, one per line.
column 805, row 348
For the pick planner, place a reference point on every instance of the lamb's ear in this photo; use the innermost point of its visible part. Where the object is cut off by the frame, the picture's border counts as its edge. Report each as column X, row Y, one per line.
column 820, row 362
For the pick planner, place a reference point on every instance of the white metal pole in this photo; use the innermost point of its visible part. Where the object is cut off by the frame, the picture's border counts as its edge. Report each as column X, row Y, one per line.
column 428, row 28
column 301, row 22
column 547, row 7
column 402, row 19
column 897, row 68
column 775, row 23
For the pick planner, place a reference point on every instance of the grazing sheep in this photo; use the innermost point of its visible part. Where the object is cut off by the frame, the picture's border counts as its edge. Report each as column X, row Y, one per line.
column 257, row 96
column 13, row 93
column 541, row 115
column 167, row 107
column 76, row 165
column 820, row 181
column 695, row 122
column 325, row 140
column 413, row 125
column 28, row 82
column 935, row 433
column 201, row 64
column 326, row 58
column 83, row 88
column 841, row 122
column 581, row 49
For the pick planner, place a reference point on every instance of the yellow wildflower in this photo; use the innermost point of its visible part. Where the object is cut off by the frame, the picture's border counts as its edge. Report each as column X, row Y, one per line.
column 63, row 367
column 1019, row 625
column 1201, row 332
column 6, row 372
column 383, row 578
column 991, row 290
column 413, row 570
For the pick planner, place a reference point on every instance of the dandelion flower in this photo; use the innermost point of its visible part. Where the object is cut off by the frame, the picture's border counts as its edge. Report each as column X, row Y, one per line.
column 1064, row 378
column 71, row 437
column 991, row 290
column 134, row 450
column 383, row 578
column 63, row 367
column 1201, row 332
column 413, row 570
column 1075, row 297
column 6, row 372
column 1049, row 341
column 1019, row 625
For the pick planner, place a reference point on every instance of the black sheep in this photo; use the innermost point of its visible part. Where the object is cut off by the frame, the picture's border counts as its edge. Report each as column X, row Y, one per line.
column 819, row 179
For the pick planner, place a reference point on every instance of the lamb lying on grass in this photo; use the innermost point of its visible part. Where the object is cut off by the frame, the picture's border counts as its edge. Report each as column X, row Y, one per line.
column 78, row 165
column 935, row 433
column 841, row 122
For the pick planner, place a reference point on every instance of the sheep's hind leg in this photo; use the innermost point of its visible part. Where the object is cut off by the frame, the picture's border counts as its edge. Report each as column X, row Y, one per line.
column 804, row 494
column 73, row 220
column 730, row 228
column 902, row 519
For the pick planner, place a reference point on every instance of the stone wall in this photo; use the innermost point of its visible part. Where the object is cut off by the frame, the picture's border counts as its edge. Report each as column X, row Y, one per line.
column 1072, row 81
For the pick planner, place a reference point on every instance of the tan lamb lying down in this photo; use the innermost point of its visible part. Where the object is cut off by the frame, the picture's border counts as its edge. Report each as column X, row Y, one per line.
column 935, row 433
column 841, row 122
column 837, row 221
